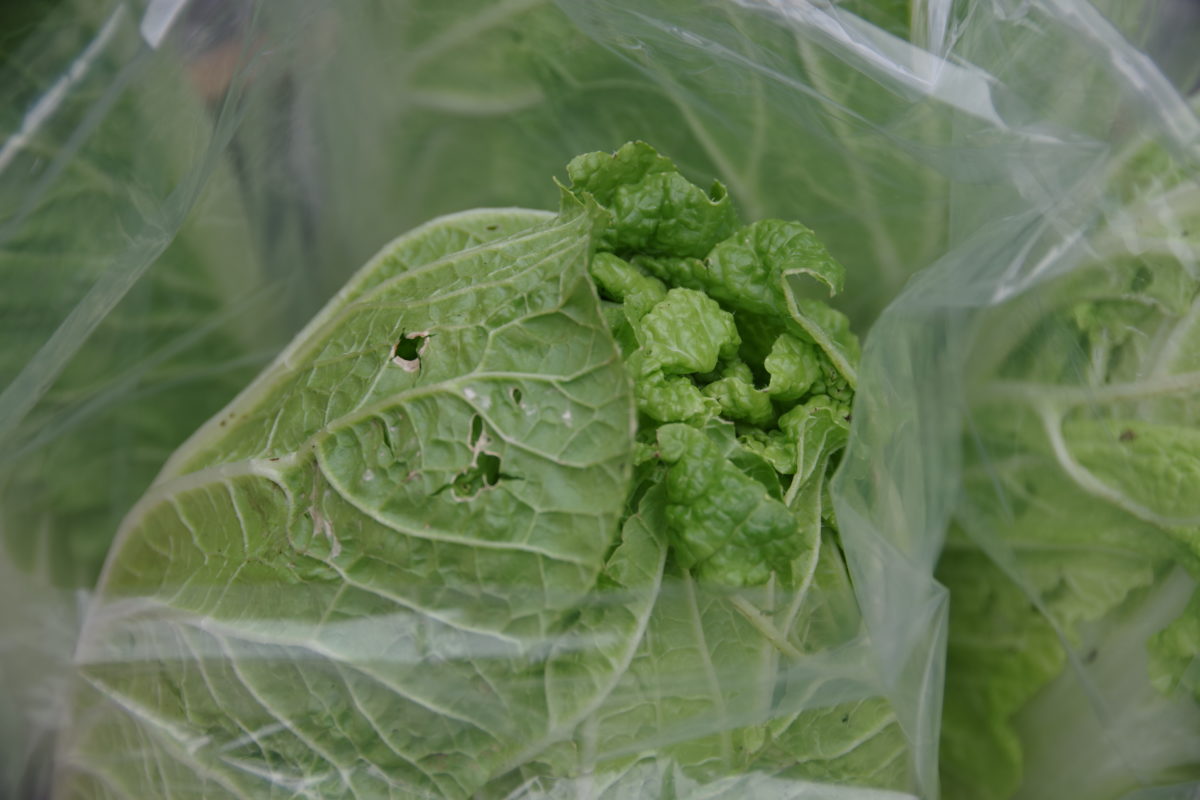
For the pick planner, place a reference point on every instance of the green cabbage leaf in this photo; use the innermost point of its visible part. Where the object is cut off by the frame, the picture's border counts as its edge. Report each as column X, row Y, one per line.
column 535, row 497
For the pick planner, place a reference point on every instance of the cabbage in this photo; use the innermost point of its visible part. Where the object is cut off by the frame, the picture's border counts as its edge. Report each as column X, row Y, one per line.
column 534, row 498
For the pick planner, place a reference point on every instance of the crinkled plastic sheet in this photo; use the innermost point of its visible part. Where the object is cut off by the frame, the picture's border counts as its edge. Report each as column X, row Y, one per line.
column 184, row 183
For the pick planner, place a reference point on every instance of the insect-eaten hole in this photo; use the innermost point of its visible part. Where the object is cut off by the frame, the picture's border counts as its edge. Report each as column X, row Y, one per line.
column 515, row 394
column 483, row 474
column 408, row 349
column 484, row 471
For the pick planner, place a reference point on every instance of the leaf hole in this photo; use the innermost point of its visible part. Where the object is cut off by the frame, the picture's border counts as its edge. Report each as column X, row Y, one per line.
column 480, row 476
column 515, row 394
column 406, row 352
column 407, row 349
column 385, row 434
column 482, row 473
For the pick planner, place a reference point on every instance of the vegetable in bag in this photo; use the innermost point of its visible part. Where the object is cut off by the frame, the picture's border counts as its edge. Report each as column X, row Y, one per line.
column 535, row 497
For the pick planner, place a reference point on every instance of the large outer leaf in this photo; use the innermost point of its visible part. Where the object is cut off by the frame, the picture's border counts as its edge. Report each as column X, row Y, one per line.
column 350, row 582
column 772, row 685
column 1077, row 547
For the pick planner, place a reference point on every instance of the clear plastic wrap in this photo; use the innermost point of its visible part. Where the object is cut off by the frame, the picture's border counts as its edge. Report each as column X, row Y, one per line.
column 1005, row 607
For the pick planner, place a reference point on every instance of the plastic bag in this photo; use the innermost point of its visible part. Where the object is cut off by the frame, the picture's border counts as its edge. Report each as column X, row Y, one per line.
column 213, row 171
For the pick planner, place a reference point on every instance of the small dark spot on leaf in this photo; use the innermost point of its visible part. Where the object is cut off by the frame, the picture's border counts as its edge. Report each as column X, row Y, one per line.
column 1127, row 435
column 847, row 418
column 222, row 423
column 845, row 717
column 274, row 458
column 516, row 395
column 1090, row 658
column 493, row 227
